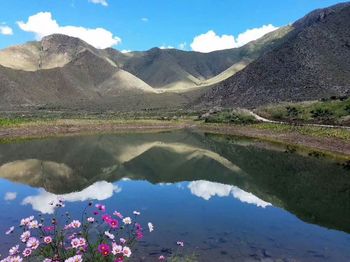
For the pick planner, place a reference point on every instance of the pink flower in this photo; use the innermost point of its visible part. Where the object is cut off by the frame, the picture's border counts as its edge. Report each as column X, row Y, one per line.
column 122, row 240
column 113, row 223
column 27, row 252
column 101, row 207
column 10, row 231
column 14, row 250
column 116, row 249
column 47, row 260
column 82, row 241
column 126, row 251
column 26, row 221
column 119, row 259
column 91, row 219
column 16, row 259
column 49, row 229
column 33, row 243
column 106, row 218
column 116, row 213
column 47, row 240
column 25, row 236
column 75, row 243
column 104, row 249
column 161, row 258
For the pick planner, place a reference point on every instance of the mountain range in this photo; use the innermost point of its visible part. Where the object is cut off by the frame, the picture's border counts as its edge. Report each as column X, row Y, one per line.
column 304, row 61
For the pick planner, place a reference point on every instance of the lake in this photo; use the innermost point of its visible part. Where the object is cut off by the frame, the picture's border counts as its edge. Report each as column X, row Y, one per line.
column 227, row 198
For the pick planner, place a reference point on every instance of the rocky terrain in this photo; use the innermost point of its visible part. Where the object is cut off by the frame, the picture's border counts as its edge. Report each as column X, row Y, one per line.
column 312, row 63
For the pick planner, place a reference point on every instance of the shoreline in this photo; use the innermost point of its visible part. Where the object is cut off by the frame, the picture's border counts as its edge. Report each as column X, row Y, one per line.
column 46, row 129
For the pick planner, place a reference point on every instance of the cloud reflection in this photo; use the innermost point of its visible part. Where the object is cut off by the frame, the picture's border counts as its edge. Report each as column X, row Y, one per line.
column 207, row 190
column 101, row 190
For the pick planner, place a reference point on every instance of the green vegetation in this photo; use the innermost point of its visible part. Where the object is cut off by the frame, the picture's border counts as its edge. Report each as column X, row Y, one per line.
column 306, row 130
column 335, row 110
column 230, row 117
column 8, row 122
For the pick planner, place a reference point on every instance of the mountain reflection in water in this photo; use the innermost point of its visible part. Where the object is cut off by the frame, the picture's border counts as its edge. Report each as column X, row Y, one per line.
column 177, row 169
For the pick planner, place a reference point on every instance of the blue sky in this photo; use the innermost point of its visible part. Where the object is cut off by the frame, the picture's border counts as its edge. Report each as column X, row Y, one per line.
column 143, row 24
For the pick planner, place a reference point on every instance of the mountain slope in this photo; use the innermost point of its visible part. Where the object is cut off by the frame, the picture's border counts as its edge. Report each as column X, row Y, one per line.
column 312, row 64
column 171, row 68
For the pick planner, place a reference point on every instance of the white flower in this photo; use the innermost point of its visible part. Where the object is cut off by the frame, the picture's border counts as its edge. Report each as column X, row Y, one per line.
column 47, row 260
column 122, row 240
column 127, row 221
column 76, row 258
column 11, row 229
column 27, row 252
column 91, row 219
column 33, row 243
column 150, row 227
column 126, row 252
column 25, row 236
column 109, row 235
column 16, row 259
column 26, row 221
column 33, row 224
column 14, row 250
column 136, row 213
column 116, row 249
column 75, row 224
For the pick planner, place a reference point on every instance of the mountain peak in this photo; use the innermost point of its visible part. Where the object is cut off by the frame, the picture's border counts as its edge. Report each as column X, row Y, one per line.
column 319, row 15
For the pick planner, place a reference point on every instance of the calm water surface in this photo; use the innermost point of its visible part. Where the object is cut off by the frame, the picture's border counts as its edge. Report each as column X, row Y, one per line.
column 228, row 199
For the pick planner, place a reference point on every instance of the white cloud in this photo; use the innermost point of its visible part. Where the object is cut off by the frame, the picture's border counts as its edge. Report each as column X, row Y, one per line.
column 207, row 190
column 98, row 191
column 101, row 2
column 210, row 41
column 182, row 46
column 42, row 24
column 124, row 51
column 9, row 196
column 144, row 19
column 5, row 30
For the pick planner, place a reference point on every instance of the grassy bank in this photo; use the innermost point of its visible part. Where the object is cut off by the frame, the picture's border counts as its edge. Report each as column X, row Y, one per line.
column 333, row 111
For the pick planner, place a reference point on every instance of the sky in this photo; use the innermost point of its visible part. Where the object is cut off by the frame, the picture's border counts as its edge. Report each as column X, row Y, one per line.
column 131, row 25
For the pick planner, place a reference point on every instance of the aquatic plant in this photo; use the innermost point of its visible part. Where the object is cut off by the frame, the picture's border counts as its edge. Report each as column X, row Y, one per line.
column 97, row 236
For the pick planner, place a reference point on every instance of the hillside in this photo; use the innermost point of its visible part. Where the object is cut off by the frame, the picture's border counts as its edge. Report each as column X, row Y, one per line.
column 312, row 64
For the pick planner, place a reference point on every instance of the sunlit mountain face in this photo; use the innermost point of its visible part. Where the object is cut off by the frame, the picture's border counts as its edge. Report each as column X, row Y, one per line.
column 225, row 197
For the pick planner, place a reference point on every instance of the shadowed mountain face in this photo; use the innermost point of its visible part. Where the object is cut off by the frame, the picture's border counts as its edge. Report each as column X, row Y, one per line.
column 313, row 63
column 316, row 190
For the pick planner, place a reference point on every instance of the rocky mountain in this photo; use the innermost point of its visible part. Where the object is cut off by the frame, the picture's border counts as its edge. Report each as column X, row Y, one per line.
column 312, row 63
column 67, row 71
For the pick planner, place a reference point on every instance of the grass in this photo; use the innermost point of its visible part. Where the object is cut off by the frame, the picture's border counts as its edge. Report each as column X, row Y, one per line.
column 306, row 130
column 230, row 117
column 335, row 110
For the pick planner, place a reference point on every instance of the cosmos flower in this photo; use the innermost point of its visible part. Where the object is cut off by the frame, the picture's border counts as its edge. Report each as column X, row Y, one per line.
column 27, row 252
column 91, row 219
column 116, row 249
column 77, row 258
column 14, row 250
column 126, row 251
column 33, row 224
column 150, row 227
column 104, row 249
column 47, row 240
column 127, row 221
column 180, row 243
column 75, row 243
column 109, row 235
column 136, row 213
column 25, row 236
column 116, row 213
column 11, row 229
column 33, row 243
column 113, row 223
